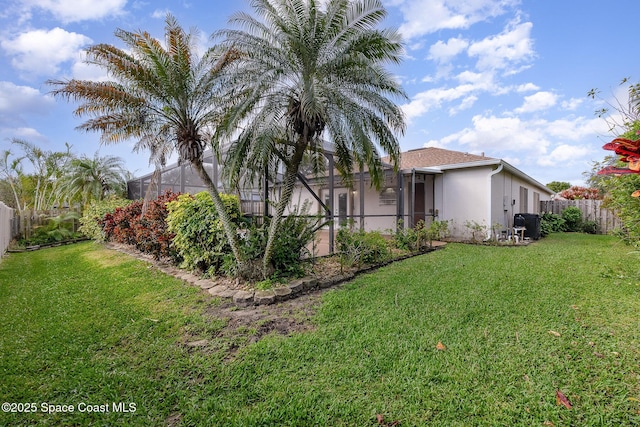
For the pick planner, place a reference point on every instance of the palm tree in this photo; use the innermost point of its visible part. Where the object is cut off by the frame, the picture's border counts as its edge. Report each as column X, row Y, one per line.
column 158, row 94
column 93, row 178
column 47, row 167
column 305, row 72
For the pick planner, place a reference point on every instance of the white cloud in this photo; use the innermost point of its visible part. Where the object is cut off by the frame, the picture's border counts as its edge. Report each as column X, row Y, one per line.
column 537, row 102
column 41, row 52
column 565, row 154
column 483, row 81
column 15, row 100
column 83, row 71
column 433, row 98
column 26, row 133
column 491, row 133
column 160, row 13
column 466, row 103
column 17, row 105
column 572, row 104
column 423, row 17
column 562, row 142
column 503, row 51
column 444, row 52
column 79, row 10
column 527, row 87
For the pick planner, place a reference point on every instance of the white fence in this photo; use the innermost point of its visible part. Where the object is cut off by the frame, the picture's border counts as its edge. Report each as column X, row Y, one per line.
column 6, row 227
column 592, row 210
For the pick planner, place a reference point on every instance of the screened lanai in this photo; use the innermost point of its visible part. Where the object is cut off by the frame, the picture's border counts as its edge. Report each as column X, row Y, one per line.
column 359, row 204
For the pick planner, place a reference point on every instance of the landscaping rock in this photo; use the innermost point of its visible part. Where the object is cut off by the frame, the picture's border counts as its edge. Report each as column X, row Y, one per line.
column 309, row 282
column 227, row 293
column 264, row 297
column 297, row 286
column 216, row 291
column 205, row 284
column 325, row 283
column 282, row 293
column 188, row 277
column 243, row 298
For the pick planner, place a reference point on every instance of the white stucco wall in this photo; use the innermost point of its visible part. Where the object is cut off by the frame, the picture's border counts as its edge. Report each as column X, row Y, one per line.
column 465, row 198
column 507, row 201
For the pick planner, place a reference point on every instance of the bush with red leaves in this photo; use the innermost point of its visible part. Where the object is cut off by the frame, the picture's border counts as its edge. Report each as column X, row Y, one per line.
column 150, row 230
column 577, row 192
column 118, row 227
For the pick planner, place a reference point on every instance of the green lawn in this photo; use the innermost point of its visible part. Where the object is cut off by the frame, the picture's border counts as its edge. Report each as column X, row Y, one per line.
column 84, row 325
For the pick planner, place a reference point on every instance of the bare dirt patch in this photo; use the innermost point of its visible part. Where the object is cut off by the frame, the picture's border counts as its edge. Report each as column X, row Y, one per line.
column 248, row 325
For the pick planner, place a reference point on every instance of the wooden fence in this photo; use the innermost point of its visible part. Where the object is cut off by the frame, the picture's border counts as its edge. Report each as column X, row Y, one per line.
column 592, row 210
column 7, row 230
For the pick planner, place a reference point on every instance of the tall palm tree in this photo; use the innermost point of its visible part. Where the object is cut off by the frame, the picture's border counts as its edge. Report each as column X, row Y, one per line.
column 307, row 72
column 158, row 94
column 94, row 178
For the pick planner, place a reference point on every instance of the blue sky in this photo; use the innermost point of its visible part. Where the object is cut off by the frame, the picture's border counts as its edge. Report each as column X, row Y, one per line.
column 506, row 78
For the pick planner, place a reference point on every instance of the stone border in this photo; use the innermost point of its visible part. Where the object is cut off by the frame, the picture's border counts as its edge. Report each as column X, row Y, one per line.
column 245, row 298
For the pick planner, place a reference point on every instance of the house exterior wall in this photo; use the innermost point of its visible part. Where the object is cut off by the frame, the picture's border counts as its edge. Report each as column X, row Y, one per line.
column 509, row 198
column 465, row 199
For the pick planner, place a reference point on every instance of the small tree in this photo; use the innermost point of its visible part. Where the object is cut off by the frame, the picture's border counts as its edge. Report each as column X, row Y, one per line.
column 558, row 186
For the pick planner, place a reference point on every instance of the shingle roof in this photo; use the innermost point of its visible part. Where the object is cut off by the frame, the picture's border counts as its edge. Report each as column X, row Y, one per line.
column 431, row 156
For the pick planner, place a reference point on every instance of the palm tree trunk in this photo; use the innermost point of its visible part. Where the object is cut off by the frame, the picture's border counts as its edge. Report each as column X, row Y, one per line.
column 227, row 224
column 289, row 183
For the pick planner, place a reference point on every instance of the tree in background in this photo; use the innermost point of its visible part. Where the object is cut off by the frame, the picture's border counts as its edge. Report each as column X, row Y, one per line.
column 558, row 186
column 306, row 70
column 88, row 179
column 32, row 174
column 10, row 171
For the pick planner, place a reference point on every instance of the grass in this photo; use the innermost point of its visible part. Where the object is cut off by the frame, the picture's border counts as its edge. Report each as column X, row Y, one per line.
column 83, row 324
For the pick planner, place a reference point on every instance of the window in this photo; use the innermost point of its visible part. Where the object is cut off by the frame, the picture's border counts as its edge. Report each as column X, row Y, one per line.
column 536, row 202
column 388, row 196
column 524, row 200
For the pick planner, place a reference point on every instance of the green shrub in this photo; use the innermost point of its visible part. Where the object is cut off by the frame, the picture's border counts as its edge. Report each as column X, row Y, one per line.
column 573, row 218
column 590, row 227
column 57, row 229
column 297, row 231
column 437, row 230
column 551, row 223
column 404, row 238
column 91, row 220
column 361, row 247
column 419, row 237
column 478, row 231
column 199, row 238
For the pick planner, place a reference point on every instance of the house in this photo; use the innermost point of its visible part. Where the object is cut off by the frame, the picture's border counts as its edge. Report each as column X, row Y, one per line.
column 431, row 184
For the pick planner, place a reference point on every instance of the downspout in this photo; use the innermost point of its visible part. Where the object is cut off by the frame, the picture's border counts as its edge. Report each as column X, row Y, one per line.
column 491, row 175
